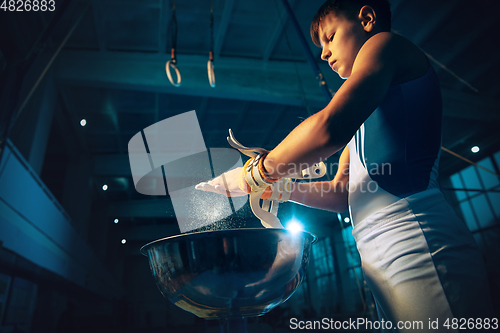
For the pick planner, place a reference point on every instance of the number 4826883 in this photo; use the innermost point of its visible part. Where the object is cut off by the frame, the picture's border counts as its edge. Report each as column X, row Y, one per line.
column 28, row 5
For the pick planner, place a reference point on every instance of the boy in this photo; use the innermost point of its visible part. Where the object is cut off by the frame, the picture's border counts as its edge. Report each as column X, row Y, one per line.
column 419, row 260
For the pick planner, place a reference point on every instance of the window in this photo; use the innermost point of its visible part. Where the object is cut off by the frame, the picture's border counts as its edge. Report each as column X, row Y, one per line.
column 478, row 196
column 326, row 279
column 354, row 267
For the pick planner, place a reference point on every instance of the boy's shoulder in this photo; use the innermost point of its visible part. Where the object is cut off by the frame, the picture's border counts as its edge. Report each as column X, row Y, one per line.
column 389, row 49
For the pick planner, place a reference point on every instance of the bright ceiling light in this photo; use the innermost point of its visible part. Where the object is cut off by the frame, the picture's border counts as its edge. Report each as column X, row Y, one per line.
column 83, row 122
column 124, row 241
column 104, row 187
column 116, row 221
column 474, row 149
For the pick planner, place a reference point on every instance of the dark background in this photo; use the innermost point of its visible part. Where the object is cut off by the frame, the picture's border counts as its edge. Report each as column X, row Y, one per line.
column 104, row 61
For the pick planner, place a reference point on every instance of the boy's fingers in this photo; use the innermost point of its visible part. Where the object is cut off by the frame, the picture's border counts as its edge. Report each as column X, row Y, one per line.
column 207, row 187
column 214, row 182
column 204, row 186
column 200, row 186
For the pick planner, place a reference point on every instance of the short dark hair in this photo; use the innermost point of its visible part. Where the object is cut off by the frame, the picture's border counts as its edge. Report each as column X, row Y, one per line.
column 350, row 9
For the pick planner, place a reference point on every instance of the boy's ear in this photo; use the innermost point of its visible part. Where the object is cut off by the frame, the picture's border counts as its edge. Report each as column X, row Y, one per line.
column 368, row 18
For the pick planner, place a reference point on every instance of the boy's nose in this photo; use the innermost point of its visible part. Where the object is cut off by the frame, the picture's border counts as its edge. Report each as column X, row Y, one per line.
column 325, row 54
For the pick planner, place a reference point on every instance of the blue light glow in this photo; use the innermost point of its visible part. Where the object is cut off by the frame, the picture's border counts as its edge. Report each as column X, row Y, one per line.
column 294, row 226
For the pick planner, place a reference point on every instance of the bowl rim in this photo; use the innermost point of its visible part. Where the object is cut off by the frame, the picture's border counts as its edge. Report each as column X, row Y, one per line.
column 144, row 249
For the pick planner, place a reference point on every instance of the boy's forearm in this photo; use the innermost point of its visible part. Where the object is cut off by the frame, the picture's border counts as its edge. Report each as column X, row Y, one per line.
column 323, row 195
column 308, row 143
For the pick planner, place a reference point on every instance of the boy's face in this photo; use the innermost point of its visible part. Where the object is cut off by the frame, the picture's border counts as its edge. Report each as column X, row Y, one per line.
column 341, row 39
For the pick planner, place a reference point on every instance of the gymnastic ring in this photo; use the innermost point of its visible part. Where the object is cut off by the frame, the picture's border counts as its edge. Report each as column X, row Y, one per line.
column 171, row 64
column 211, row 74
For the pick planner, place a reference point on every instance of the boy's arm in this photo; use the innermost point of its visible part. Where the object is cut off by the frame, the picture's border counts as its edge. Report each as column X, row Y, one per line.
column 332, row 195
column 378, row 62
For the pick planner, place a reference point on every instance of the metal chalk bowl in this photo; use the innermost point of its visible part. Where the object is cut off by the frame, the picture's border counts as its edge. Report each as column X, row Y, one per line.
column 230, row 274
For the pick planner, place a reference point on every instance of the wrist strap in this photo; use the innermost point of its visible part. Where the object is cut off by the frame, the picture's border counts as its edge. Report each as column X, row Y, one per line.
column 279, row 191
column 263, row 171
column 253, row 177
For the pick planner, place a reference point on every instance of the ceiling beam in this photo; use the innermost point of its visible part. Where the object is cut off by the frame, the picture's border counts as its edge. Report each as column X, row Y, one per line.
column 465, row 41
column 99, row 24
column 273, row 126
column 202, row 110
column 72, row 118
column 223, row 25
column 237, row 78
column 165, row 13
column 434, row 21
column 110, row 110
column 458, row 104
column 396, row 6
column 278, row 31
column 242, row 115
column 482, row 70
column 65, row 125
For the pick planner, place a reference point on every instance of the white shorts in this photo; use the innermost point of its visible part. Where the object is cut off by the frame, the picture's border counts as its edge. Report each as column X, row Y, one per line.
column 422, row 264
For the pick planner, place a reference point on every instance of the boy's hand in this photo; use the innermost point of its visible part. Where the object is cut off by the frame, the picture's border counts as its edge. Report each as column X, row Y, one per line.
column 225, row 184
